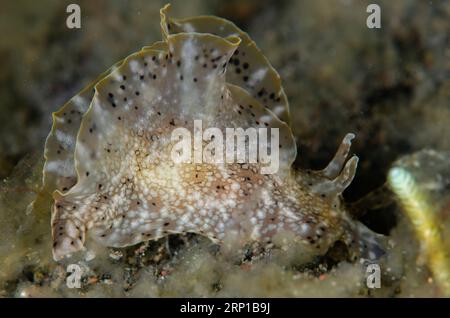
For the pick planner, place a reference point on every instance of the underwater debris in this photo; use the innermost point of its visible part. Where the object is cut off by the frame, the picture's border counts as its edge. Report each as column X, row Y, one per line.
column 108, row 154
column 420, row 182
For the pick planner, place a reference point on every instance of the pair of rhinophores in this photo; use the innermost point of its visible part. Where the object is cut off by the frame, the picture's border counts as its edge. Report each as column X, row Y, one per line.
column 108, row 154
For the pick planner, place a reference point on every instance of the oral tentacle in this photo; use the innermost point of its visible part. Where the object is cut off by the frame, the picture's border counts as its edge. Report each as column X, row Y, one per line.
column 335, row 166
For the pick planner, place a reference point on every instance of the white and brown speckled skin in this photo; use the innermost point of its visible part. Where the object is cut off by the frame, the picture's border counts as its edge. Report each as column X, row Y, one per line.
column 128, row 188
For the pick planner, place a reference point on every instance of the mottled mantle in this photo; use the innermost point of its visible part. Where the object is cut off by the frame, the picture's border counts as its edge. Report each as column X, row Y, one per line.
column 108, row 154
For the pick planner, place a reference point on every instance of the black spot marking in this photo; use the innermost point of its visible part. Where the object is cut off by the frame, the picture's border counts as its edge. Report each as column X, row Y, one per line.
column 261, row 92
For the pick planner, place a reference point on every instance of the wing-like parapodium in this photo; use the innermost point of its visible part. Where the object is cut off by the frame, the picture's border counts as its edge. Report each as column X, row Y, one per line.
column 248, row 68
column 129, row 189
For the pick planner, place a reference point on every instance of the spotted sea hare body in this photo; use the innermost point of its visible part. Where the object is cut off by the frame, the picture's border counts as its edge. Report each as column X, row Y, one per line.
column 108, row 156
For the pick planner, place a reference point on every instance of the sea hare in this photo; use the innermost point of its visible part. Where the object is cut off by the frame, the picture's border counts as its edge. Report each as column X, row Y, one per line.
column 110, row 170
